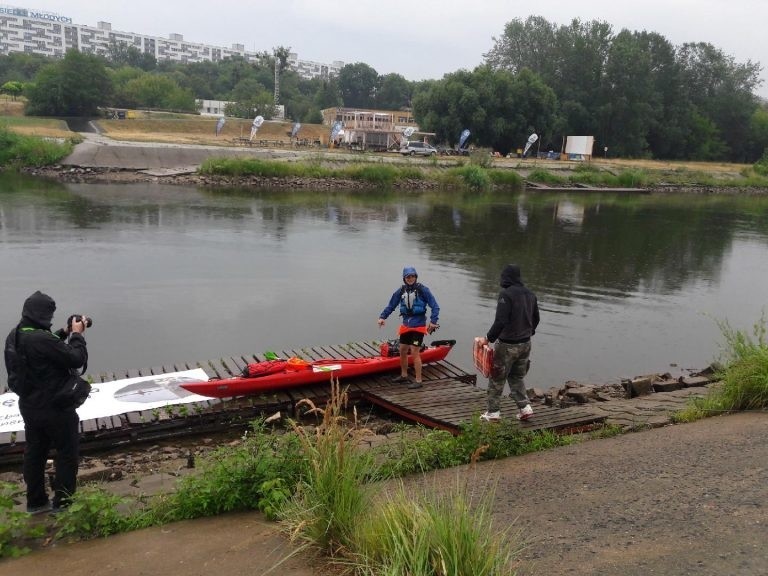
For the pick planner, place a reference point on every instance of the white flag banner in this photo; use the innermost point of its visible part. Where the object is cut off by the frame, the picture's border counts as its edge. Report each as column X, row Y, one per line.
column 118, row 397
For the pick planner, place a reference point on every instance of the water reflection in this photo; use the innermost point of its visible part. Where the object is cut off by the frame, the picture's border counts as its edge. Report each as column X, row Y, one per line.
column 627, row 284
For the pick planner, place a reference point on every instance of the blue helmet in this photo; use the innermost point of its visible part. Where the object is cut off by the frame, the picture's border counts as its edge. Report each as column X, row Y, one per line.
column 408, row 270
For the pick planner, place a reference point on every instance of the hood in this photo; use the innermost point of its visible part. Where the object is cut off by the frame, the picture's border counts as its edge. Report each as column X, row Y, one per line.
column 511, row 276
column 38, row 310
column 409, row 270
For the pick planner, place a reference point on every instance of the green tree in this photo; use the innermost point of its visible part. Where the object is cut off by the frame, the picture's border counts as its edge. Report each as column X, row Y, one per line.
column 12, row 88
column 358, row 84
column 21, row 67
column 499, row 109
column 122, row 54
column 632, row 100
column 758, row 133
column 252, row 99
column 74, row 86
column 158, row 91
column 395, row 92
column 722, row 91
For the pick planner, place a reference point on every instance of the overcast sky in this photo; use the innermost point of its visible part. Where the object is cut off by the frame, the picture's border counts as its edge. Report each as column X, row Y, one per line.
column 419, row 39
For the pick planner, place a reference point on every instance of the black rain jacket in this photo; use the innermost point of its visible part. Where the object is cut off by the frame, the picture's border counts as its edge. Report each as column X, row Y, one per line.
column 517, row 310
column 50, row 359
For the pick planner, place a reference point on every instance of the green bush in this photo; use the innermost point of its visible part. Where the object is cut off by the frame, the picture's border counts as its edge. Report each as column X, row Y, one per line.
column 545, row 177
column 19, row 151
column 421, row 450
column 14, row 525
column 506, row 178
column 761, row 166
column 242, row 477
column 92, row 514
column 633, row 178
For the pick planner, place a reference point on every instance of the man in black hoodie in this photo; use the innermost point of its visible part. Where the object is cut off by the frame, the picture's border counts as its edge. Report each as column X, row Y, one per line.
column 49, row 360
column 517, row 315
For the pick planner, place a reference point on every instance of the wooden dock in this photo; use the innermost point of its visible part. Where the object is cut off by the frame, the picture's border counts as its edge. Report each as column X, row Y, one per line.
column 448, row 398
column 539, row 187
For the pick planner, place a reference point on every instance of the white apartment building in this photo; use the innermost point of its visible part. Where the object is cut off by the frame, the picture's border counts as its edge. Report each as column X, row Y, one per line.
column 50, row 34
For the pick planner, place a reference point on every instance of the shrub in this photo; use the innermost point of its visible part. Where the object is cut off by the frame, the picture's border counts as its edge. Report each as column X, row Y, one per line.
column 248, row 476
column 92, row 513
column 19, row 150
column 544, row 176
column 761, row 166
column 14, row 525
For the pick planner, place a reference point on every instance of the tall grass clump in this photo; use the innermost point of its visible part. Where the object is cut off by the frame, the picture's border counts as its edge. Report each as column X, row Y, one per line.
column 470, row 176
column 506, row 179
column 331, row 498
column 633, row 178
column 445, row 531
column 743, row 376
column 247, row 167
column 545, row 177
column 374, row 173
column 19, row 151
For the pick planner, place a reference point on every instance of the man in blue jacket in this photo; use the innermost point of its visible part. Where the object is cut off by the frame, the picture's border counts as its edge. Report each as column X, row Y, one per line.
column 48, row 360
column 517, row 315
column 412, row 298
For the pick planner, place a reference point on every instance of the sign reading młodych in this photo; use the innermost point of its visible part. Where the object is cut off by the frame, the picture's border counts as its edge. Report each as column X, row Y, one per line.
column 24, row 13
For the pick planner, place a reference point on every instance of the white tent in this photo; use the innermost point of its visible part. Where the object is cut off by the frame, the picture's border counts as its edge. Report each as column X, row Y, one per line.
column 579, row 147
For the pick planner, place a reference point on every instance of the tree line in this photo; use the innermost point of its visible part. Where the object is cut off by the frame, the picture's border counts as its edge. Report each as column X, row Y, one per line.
column 635, row 92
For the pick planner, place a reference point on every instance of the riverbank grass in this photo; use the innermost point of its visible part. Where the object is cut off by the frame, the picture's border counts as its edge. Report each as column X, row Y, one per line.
column 18, row 151
column 744, row 377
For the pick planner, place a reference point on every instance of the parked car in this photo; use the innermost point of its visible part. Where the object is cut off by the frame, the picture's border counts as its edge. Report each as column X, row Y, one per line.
column 414, row 148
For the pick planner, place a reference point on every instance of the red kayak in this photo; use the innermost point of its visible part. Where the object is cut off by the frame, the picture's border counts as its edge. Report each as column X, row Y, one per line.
column 274, row 375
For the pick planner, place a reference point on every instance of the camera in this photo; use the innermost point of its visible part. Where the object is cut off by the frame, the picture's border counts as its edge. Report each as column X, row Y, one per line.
column 78, row 318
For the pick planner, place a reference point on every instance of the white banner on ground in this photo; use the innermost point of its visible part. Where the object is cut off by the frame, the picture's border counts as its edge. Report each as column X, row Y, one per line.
column 118, row 397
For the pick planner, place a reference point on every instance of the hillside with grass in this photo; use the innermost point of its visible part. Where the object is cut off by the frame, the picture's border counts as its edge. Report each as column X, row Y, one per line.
column 143, row 126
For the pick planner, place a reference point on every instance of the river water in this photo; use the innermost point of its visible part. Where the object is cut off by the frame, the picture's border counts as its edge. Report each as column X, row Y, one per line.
column 627, row 284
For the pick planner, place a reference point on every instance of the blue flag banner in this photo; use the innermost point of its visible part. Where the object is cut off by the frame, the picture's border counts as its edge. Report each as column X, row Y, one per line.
column 463, row 138
column 336, row 128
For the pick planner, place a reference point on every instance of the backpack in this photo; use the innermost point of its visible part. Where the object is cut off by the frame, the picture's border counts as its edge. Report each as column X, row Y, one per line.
column 15, row 363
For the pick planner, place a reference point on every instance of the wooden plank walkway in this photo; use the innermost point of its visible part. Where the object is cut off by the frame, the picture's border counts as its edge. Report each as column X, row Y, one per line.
column 448, row 398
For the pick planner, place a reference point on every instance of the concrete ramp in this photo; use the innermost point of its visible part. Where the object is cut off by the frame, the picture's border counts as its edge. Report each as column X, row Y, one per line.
column 100, row 152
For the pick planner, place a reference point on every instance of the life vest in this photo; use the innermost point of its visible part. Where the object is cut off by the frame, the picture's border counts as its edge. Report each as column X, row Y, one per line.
column 412, row 302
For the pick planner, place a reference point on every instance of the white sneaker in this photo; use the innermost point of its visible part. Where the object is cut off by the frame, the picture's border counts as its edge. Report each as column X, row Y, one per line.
column 490, row 416
column 525, row 412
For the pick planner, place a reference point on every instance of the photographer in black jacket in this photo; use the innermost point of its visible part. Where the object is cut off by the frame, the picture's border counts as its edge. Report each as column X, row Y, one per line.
column 48, row 363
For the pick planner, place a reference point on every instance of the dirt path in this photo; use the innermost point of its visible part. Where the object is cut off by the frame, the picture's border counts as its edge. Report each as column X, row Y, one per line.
column 679, row 500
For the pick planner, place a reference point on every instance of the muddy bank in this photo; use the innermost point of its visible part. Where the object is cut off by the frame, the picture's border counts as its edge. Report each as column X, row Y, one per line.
column 100, row 175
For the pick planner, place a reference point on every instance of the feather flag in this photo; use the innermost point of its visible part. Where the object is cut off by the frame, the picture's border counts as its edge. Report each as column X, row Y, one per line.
column 220, row 125
column 295, row 129
column 463, row 138
column 531, row 141
column 257, row 122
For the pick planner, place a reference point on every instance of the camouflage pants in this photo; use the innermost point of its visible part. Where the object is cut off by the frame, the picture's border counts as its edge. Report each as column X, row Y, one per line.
column 510, row 365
